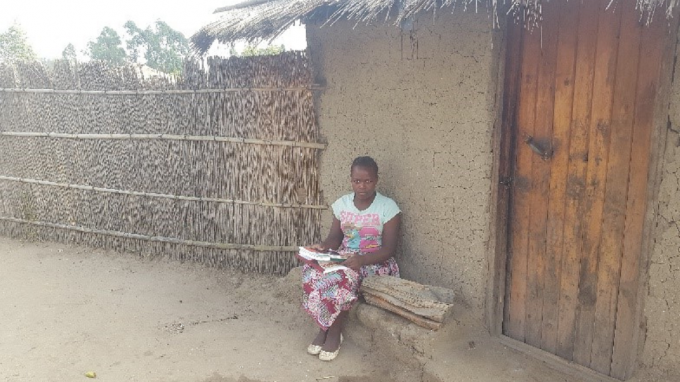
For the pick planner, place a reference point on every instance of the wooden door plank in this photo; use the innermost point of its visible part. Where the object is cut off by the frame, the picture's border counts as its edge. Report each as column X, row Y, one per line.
column 522, row 186
column 578, row 151
column 540, row 172
column 605, row 74
column 510, row 100
column 651, row 54
column 616, row 192
column 564, row 96
column 657, row 143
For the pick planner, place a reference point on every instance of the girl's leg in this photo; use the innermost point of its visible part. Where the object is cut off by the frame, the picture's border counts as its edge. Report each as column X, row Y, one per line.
column 333, row 335
column 320, row 338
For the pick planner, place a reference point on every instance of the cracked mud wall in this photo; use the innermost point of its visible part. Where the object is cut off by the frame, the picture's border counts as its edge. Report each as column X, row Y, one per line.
column 662, row 303
column 421, row 103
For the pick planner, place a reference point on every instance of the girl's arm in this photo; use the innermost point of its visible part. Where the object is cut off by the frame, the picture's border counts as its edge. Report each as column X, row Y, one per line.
column 334, row 238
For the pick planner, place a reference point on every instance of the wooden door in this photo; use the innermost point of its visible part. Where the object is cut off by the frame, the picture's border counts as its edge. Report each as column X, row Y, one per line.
column 580, row 97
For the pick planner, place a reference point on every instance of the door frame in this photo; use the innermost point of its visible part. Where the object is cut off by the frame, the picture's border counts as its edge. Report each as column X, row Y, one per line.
column 502, row 145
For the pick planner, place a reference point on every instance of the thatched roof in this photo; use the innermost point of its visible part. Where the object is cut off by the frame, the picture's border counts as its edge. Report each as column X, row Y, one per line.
column 255, row 20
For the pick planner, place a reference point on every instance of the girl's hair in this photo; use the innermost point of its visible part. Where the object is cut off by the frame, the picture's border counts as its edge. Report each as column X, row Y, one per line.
column 365, row 162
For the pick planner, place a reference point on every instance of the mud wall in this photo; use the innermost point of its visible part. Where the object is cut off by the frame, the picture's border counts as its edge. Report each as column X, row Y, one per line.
column 662, row 303
column 421, row 102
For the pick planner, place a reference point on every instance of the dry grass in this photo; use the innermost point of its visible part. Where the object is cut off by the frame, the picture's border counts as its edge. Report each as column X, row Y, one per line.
column 266, row 20
column 253, row 200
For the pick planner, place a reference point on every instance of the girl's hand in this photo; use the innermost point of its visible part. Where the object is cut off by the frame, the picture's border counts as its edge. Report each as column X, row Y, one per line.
column 354, row 262
column 319, row 247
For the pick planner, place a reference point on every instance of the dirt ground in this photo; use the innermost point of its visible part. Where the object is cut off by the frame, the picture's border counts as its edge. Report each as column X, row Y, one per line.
column 66, row 310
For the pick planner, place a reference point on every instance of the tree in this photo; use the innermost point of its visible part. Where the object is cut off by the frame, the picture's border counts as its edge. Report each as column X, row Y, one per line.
column 163, row 48
column 69, row 53
column 14, row 45
column 107, row 47
column 252, row 50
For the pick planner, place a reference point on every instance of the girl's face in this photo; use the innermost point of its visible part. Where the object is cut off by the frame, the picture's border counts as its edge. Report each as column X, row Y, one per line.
column 364, row 181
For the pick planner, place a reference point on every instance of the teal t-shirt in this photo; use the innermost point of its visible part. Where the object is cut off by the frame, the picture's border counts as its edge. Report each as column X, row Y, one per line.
column 363, row 229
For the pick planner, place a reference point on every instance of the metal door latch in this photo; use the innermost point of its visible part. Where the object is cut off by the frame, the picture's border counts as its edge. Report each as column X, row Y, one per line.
column 545, row 154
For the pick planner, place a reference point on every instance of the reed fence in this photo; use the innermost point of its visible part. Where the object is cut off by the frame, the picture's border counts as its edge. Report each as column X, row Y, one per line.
column 218, row 166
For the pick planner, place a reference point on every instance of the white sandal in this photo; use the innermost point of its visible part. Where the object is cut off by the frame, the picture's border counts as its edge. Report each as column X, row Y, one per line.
column 313, row 349
column 330, row 355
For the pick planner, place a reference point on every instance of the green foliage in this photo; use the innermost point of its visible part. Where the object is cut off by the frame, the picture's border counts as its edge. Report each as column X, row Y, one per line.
column 69, row 53
column 47, row 63
column 164, row 48
column 107, row 47
column 252, row 50
column 14, row 45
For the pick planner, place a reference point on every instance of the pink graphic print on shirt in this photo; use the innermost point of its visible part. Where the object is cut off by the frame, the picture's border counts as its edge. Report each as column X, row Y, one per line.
column 362, row 231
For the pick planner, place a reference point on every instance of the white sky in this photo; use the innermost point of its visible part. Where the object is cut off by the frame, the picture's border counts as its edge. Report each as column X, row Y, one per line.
column 53, row 24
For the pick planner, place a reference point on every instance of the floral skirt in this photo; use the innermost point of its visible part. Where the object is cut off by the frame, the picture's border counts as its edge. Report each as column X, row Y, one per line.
column 327, row 295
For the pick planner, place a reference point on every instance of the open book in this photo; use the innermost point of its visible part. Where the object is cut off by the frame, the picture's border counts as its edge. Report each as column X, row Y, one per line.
column 325, row 262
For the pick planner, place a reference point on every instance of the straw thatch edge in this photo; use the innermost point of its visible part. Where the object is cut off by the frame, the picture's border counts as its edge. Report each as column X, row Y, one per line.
column 255, row 21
